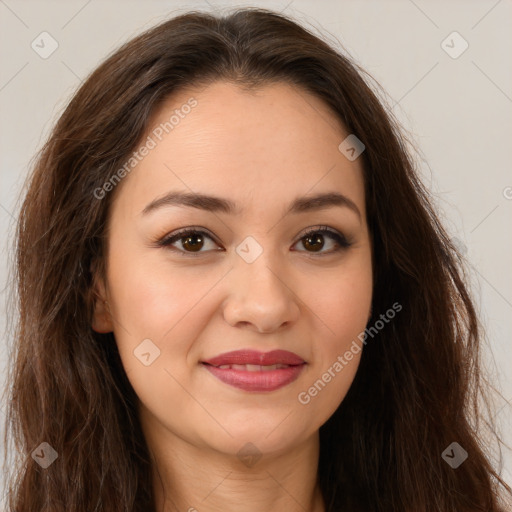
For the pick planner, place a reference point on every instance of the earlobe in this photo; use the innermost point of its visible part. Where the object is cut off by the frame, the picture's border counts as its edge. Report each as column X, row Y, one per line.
column 101, row 318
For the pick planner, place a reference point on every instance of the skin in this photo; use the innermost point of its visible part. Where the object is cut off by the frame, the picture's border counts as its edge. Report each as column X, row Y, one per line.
column 261, row 150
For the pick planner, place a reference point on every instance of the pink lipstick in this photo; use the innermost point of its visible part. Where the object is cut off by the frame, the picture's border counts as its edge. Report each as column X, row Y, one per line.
column 251, row 370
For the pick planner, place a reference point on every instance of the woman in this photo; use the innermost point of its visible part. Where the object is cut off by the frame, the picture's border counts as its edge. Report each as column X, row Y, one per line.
column 234, row 292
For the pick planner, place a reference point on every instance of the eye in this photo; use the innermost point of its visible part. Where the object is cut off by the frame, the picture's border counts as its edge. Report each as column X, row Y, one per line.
column 192, row 240
column 314, row 239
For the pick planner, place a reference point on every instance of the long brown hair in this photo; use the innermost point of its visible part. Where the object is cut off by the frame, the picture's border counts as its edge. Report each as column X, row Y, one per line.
column 418, row 388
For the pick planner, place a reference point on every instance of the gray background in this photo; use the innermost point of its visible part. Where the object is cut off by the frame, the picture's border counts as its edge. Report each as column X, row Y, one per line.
column 458, row 111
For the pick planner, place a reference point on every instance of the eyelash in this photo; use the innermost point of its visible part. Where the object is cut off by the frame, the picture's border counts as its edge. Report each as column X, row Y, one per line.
column 168, row 240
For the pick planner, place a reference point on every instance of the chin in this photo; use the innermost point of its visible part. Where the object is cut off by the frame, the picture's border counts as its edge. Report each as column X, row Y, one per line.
column 260, row 437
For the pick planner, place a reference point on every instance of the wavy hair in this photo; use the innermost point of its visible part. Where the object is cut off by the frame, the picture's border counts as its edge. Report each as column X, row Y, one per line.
column 419, row 385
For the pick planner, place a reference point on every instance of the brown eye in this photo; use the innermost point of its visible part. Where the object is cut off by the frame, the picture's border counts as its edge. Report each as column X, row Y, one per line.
column 192, row 241
column 314, row 241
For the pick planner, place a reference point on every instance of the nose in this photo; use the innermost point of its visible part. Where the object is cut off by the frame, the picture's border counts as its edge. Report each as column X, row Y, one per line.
column 260, row 297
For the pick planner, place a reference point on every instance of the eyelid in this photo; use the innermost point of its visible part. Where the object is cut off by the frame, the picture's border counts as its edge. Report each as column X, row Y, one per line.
column 318, row 229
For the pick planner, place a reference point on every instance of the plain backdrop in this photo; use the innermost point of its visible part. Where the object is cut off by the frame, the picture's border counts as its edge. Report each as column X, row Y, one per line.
column 456, row 106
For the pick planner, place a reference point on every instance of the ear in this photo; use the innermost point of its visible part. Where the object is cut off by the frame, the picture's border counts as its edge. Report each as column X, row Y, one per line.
column 101, row 318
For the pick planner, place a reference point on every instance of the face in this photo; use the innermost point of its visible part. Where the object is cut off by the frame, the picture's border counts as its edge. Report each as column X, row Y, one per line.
column 186, row 283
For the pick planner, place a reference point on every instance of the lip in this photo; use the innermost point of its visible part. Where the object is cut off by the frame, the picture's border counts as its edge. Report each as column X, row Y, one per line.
column 259, row 380
column 255, row 357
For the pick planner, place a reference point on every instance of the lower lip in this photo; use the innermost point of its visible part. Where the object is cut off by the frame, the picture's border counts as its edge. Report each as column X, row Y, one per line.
column 256, row 381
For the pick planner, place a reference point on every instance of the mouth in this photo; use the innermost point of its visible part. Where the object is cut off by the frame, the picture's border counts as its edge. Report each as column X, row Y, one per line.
column 255, row 371
column 252, row 367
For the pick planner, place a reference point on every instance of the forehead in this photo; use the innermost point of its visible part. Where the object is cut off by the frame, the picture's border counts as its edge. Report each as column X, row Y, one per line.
column 258, row 148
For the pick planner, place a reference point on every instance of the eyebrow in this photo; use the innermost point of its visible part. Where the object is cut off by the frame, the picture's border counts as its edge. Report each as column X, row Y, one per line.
column 217, row 204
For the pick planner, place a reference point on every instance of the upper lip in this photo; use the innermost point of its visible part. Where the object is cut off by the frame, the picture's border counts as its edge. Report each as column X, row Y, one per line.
column 247, row 356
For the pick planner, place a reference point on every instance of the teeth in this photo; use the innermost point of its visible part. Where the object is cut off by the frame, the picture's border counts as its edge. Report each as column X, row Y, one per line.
column 252, row 367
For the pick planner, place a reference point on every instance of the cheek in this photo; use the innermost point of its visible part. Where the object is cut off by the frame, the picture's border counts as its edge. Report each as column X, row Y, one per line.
column 341, row 301
column 155, row 300
column 152, row 303
column 341, row 309
column 150, row 294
